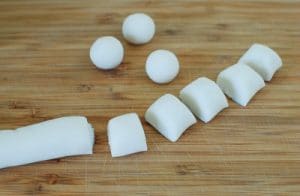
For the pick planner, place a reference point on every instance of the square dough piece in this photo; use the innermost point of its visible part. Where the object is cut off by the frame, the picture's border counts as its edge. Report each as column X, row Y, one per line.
column 263, row 60
column 126, row 135
column 170, row 117
column 240, row 83
column 204, row 97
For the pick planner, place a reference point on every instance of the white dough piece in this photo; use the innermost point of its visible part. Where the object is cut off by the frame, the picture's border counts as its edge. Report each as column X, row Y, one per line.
column 240, row 83
column 66, row 136
column 204, row 97
column 263, row 60
column 138, row 28
column 162, row 66
column 107, row 52
column 170, row 117
column 126, row 135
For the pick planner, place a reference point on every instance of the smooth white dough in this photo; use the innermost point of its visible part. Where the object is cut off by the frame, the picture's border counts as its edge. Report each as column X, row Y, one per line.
column 138, row 28
column 263, row 60
column 170, row 117
column 204, row 97
column 107, row 52
column 126, row 135
column 66, row 136
column 162, row 66
column 240, row 83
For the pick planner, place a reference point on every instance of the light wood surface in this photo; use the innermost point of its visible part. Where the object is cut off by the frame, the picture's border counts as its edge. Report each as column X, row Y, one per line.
column 45, row 72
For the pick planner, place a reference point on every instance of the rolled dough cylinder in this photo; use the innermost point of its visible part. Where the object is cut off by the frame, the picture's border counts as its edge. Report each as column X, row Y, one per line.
column 263, row 60
column 66, row 136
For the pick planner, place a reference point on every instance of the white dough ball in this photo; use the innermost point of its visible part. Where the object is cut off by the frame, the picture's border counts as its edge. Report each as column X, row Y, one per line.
column 138, row 28
column 107, row 52
column 162, row 66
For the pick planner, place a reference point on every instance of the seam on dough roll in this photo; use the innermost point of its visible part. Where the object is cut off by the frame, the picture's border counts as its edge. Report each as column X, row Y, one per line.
column 61, row 137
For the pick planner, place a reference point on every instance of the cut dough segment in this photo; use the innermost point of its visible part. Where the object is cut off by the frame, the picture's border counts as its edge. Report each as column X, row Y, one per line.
column 263, row 60
column 126, row 135
column 170, row 117
column 240, row 83
column 204, row 97
column 66, row 136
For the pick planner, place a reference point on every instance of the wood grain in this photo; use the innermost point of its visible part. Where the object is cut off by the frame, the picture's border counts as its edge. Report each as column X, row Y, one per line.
column 45, row 72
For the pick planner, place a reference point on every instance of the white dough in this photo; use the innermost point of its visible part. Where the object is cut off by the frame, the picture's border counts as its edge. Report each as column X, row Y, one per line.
column 162, row 66
column 126, row 135
column 204, row 97
column 170, row 117
column 138, row 28
column 107, row 52
column 66, row 136
column 240, row 83
column 263, row 60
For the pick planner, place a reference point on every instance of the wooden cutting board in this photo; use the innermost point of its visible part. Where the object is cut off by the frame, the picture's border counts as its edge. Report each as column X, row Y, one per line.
column 45, row 72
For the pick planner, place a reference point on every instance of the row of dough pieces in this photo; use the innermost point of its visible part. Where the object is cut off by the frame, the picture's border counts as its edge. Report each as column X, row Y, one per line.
column 74, row 135
column 202, row 97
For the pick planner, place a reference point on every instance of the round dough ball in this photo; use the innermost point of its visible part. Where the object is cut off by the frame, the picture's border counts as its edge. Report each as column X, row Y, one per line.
column 107, row 52
column 138, row 28
column 162, row 66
